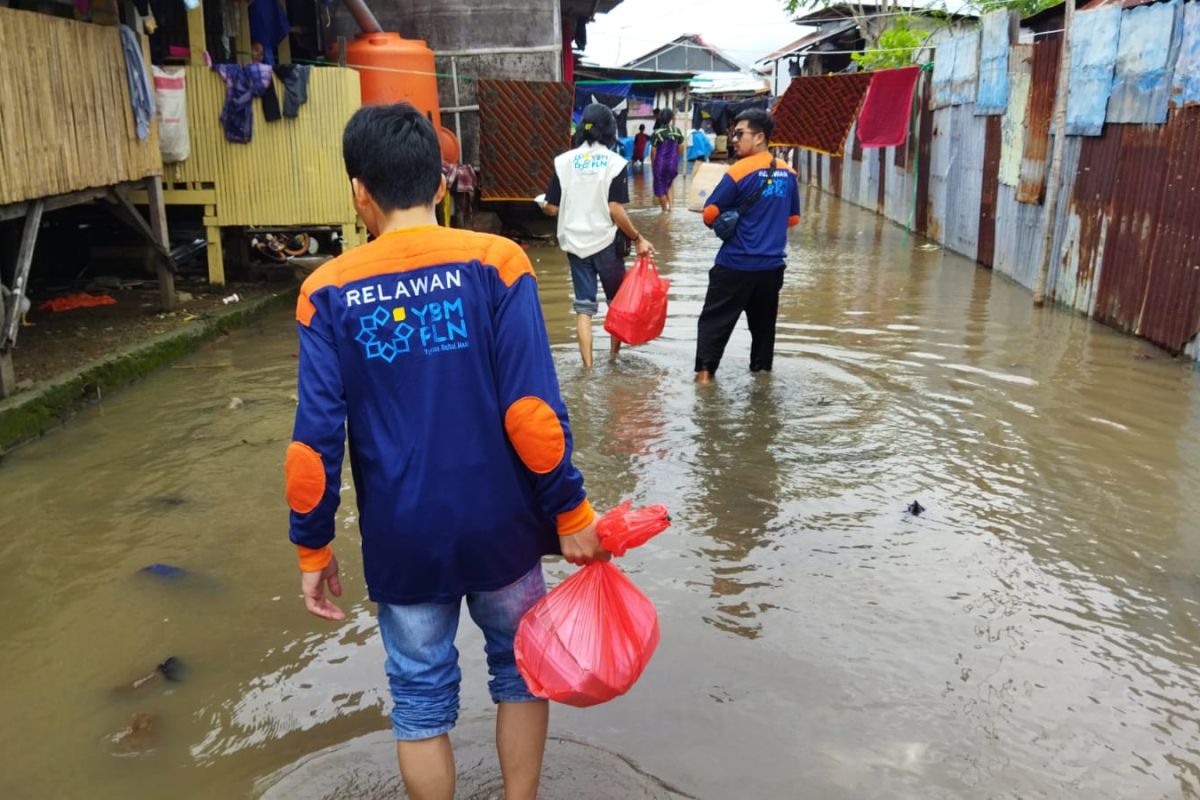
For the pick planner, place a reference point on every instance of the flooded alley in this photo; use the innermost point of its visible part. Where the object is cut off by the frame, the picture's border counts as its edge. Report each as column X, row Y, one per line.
column 1035, row 633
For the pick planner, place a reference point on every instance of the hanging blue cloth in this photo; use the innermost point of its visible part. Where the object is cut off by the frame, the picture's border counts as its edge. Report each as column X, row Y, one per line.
column 268, row 25
column 141, row 95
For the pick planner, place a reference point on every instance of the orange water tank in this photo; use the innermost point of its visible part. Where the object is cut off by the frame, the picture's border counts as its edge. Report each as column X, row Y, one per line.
column 393, row 69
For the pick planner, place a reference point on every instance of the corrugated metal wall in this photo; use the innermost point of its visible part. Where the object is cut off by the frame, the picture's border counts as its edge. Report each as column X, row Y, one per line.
column 1127, row 226
column 290, row 173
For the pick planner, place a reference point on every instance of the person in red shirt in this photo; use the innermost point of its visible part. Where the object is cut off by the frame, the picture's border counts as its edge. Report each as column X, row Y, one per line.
column 639, row 146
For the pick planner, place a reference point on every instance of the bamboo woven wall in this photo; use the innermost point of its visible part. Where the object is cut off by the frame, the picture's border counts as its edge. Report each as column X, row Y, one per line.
column 65, row 119
column 291, row 171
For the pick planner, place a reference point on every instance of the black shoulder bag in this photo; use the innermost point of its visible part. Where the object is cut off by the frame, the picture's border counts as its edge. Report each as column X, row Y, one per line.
column 726, row 224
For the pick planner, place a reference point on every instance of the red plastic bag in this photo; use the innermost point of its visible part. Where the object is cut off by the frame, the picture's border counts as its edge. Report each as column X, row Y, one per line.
column 590, row 638
column 623, row 528
column 639, row 311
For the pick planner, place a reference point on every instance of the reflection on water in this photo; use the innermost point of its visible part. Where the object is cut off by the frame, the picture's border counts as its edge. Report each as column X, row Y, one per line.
column 1033, row 634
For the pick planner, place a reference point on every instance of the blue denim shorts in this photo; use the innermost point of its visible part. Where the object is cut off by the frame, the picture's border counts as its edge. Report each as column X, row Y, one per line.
column 607, row 265
column 422, row 661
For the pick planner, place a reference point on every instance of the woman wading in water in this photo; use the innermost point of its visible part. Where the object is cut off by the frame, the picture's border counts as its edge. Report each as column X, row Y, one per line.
column 667, row 152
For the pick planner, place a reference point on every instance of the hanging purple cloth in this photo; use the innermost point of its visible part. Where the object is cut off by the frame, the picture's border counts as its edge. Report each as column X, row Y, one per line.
column 243, row 83
column 666, row 142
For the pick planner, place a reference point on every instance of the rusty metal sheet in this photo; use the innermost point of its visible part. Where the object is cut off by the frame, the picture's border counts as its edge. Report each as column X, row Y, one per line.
column 1020, row 227
column 989, row 195
column 1150, row 39
column 1149, row 284
column 522, row 126
column 816, row 113
column 924, row 158
column 1012, row 129
column 1032, row 185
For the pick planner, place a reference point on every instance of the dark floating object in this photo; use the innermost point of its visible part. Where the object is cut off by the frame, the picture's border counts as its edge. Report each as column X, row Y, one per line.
column 163, row 570
column 171, row 669
column 915, row 508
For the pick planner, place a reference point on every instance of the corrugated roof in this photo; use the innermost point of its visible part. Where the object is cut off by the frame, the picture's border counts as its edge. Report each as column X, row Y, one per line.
column 807, row 42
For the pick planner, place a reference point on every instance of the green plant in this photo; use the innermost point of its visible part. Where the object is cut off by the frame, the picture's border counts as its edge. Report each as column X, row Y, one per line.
column 896, row 47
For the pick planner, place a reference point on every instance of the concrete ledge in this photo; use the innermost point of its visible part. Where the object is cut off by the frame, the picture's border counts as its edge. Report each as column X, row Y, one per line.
column 28, row 415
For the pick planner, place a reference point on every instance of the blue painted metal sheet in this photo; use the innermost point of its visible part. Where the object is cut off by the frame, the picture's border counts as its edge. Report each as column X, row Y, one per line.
column 992, row 96
column 965, row 76
column 1094, row 38
column 1146, row 54
column 943, row 69
column 1186, row 86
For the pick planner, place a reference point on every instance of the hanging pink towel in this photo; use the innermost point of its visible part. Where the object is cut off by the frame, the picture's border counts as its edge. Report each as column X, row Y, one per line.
column 886, row 111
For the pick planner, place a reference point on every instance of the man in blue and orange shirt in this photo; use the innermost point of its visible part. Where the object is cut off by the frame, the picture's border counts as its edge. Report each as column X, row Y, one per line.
column 430, row 344
column 749, row 270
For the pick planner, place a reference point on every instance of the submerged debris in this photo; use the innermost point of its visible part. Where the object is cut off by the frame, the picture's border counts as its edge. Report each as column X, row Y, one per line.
column 163, row 570
column 915, row 508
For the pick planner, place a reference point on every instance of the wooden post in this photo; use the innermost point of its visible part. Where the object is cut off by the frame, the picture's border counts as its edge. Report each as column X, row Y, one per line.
column 244, row 45
column 197, row 44
column 12, row 316
column 1060, row 125
column 216, row 256
column 158, row 223
column 8, row 376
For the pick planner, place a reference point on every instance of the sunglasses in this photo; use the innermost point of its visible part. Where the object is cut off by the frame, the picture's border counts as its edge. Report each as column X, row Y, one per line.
column 739, row 134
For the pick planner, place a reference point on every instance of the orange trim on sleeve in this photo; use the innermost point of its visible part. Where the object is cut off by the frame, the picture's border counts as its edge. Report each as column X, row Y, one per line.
column 575, row 520
column 314, row 560
column 536, row 434
column 710, row 214
column 305, row 477
column 793, row 220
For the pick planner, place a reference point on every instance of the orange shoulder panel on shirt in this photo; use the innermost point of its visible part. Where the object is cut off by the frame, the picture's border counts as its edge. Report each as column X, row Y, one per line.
column 305, row 477
column 575, row 520
column 411, row 249
column 536, row 434
column 747, row 165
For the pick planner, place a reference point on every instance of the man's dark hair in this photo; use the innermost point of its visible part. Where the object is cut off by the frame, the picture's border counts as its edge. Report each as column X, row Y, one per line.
column 641, row 128
column 758, row 121
column 596, row 124
column 395, row 152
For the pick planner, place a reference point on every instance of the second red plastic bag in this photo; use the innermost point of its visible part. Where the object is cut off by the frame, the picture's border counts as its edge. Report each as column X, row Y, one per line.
column 639, row 311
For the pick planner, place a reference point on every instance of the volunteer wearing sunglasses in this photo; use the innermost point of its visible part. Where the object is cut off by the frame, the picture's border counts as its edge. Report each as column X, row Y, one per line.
column 750, row 210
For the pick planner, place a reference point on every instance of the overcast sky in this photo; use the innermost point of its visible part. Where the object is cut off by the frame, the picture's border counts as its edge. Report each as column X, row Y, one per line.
column 744, row 29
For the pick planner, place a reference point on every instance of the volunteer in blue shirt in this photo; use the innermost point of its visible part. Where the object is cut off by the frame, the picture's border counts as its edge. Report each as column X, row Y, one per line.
column 749, row 269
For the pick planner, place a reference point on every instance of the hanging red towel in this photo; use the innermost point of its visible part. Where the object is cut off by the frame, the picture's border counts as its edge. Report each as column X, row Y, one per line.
column 816, row 113
column 886, row 111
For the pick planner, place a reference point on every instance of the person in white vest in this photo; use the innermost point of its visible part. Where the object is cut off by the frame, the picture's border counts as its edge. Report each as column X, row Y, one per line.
column 587, row 193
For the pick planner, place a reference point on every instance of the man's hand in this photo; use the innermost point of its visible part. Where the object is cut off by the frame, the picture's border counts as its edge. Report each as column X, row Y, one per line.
column 312, row 584
column 644, row 248
column 583, row 547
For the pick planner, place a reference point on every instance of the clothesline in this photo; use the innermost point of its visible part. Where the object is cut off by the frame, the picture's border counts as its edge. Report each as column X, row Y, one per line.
column 901, row 49
column 469, row 77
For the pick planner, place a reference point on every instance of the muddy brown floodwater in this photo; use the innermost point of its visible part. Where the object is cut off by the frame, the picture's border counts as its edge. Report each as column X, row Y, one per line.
column 1032, row 635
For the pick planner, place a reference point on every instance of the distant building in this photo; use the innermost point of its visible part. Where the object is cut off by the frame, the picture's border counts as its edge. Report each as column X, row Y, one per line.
column 688, row 53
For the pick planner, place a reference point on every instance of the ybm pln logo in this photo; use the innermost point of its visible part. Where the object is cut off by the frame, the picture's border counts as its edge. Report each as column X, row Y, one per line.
column 436, row 327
